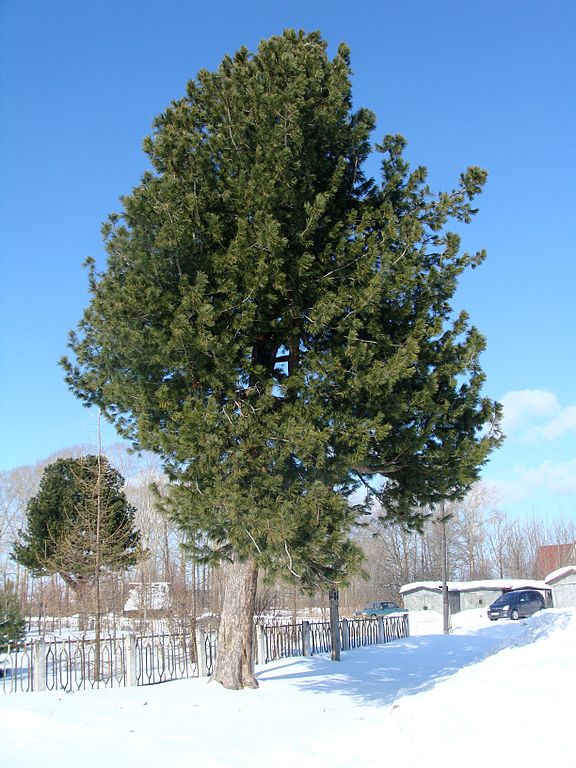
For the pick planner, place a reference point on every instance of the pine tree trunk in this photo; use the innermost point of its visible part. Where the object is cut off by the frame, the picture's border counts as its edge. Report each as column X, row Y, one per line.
column 234, row 666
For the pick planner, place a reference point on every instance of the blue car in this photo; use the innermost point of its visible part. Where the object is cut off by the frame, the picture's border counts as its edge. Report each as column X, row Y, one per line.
column 382, row 608
column 517, row 604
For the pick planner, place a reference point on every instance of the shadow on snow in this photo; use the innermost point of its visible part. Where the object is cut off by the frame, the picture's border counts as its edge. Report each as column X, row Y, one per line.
column 378, row 675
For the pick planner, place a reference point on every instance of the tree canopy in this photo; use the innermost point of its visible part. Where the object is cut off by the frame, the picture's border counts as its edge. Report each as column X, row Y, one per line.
column 278, row 326
column 80, row 507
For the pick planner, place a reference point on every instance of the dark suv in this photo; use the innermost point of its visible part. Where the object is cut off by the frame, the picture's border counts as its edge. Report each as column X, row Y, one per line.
column 516, row 604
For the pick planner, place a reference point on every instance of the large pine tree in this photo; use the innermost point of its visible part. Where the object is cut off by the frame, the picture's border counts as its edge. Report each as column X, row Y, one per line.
column 279, row 328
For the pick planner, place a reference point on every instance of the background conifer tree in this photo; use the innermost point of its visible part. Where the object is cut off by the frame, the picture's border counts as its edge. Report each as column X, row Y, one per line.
column 278, row 327
column 12, row 624
column 63, row 534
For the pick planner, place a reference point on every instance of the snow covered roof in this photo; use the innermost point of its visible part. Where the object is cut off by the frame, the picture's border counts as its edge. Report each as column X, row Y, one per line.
column 559, row 573
column 153, row 596
column 471, row 586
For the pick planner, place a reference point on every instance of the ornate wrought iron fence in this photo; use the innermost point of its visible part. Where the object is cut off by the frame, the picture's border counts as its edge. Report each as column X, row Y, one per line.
column 396, row 627
column 16, row 669
column 310, row 638
column 320, row 637
column 81, row 663
column 160, row 658
column 281, row 641
column 362, row 632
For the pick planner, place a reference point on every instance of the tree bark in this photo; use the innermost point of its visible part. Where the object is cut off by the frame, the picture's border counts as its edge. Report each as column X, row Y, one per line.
column 234, row 666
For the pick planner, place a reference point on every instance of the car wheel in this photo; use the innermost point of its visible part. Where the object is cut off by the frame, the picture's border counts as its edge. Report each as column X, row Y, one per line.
column 514, row 615
column 492, row 618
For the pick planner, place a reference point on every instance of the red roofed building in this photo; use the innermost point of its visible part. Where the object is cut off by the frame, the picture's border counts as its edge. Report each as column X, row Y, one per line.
column 554, row 556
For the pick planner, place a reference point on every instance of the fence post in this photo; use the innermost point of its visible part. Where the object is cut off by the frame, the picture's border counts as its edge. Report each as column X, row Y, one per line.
column 260, row 644
column 201, row 652
column 381, row 637
column 39, row 665
column 345, row 635
column 406, row 625
column 306, row 639
column 131, row 678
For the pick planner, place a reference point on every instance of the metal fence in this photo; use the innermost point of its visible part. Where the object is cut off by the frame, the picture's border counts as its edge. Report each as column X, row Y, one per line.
column 310, row 638
column 278, row 641
column 73, row 665
column 80, row 663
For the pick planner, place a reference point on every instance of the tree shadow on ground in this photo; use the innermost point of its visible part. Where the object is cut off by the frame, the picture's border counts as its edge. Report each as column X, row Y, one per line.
column 378, row 675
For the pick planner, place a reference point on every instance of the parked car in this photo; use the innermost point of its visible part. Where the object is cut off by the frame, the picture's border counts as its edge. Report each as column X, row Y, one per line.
column 516, row 604
column 5, row 664
column 382, row 608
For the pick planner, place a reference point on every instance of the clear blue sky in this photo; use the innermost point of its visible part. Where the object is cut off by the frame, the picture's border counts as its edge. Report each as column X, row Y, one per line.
column 488, row 83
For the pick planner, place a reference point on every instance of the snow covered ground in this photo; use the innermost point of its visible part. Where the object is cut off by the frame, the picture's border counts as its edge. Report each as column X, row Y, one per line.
column 498, row 694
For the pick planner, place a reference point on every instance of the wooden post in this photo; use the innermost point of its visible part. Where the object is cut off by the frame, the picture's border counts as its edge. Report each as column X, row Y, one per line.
column 345, row 635
column 306, row 639
column 334, row 625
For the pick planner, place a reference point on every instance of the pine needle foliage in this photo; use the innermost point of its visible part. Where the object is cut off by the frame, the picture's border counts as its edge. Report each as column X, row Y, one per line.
column 277, row 326
column 12, row 623
column 79, row 517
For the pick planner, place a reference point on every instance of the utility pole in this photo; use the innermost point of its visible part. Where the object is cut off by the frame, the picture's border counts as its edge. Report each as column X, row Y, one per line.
column 334, row 623
column 445, row 602
column 97, row 560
